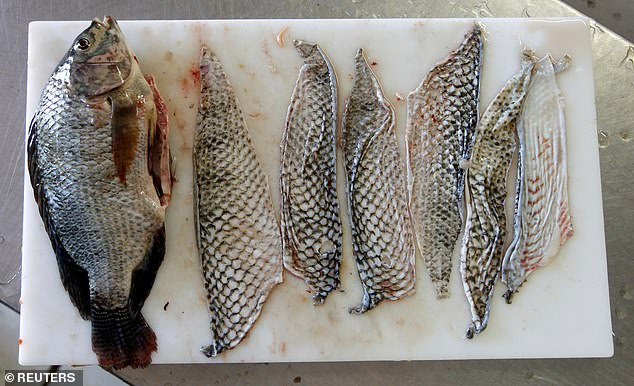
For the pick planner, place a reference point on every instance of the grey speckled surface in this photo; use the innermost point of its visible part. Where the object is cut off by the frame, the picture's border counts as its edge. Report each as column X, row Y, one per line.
column 614, row 81
column 615, row 14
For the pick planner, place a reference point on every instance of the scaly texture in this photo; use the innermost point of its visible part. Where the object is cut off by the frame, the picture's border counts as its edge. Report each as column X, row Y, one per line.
column 542, row 219
column 485, row 192
column 99, row 166
column 441, row 119
column 382, row 233
column 311, row 227
column 238, row 236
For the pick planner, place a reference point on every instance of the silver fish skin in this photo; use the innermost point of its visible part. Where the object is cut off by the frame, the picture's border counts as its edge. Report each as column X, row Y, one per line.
column 485, row 192
column 442, row 114
column 382, row 232
column 238, row 235
column 98, row 160
column 542, row 215
column 311, row 226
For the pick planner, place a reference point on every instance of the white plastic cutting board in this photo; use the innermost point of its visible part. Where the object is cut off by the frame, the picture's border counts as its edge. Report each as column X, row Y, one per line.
column 562, row 311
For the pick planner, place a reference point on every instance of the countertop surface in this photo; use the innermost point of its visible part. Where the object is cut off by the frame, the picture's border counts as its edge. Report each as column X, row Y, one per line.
column 614, row 81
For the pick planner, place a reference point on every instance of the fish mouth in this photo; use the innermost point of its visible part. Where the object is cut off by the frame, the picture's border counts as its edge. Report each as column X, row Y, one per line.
column 108, row 22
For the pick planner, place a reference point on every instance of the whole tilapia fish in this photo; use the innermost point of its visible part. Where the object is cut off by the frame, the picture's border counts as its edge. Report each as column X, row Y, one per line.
column 238, row 236
column 311, row 227
column 98, row 159
column 485, row 193
column 542, row 218
column 441, row 119
column 382, row 233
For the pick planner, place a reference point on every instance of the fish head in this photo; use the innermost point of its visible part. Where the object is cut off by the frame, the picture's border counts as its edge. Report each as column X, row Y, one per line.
column 100, row 59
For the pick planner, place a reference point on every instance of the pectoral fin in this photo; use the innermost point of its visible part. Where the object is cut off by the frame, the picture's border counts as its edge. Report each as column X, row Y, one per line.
column 125, row 134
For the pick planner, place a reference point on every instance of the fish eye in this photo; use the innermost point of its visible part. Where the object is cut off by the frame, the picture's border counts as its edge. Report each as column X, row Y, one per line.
column 83, row 43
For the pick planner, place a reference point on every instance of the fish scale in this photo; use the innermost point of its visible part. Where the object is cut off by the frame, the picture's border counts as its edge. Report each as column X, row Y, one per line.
column 485, row 192
column 442, row 114
column 311, row 227
column 238, row 235
column 382, row 234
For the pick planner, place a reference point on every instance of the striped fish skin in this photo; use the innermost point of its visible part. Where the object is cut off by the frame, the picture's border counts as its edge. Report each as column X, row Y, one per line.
column 442, row 114
column 382, row 233
column 311, row 226
column 542, row 218
column 485, row 192
column 238, row 235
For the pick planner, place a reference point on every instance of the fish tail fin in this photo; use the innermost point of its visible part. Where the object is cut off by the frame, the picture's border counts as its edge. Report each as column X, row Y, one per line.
column 121, row 338
column 367, row 303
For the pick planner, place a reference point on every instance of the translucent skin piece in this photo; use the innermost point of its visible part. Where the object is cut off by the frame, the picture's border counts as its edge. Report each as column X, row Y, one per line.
column 382, row 233
column 442, row 114
column 542, row 218
column 311, row 227
column 485, row 192
column 238, row 235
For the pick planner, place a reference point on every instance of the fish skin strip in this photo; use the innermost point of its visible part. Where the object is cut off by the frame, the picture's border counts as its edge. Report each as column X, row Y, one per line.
column 238, row 235
column 485, row 192
column 382, row 233
column 442, row 115
column 311, row 226
column 542, row 215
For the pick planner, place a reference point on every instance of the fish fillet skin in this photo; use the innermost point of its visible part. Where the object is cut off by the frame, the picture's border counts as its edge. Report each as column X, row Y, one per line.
column 442, row 114
column 382, row 233
column 311, row 226
column 485, row 192
column 542, row 216
column 238, row 235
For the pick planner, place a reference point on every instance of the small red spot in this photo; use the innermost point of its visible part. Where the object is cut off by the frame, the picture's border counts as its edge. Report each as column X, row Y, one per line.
column 184, row 84
column 309, row 291
column 195, row 72
column 165, row 306
column 20, row 341
column 374, row 63
column 191, row 81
